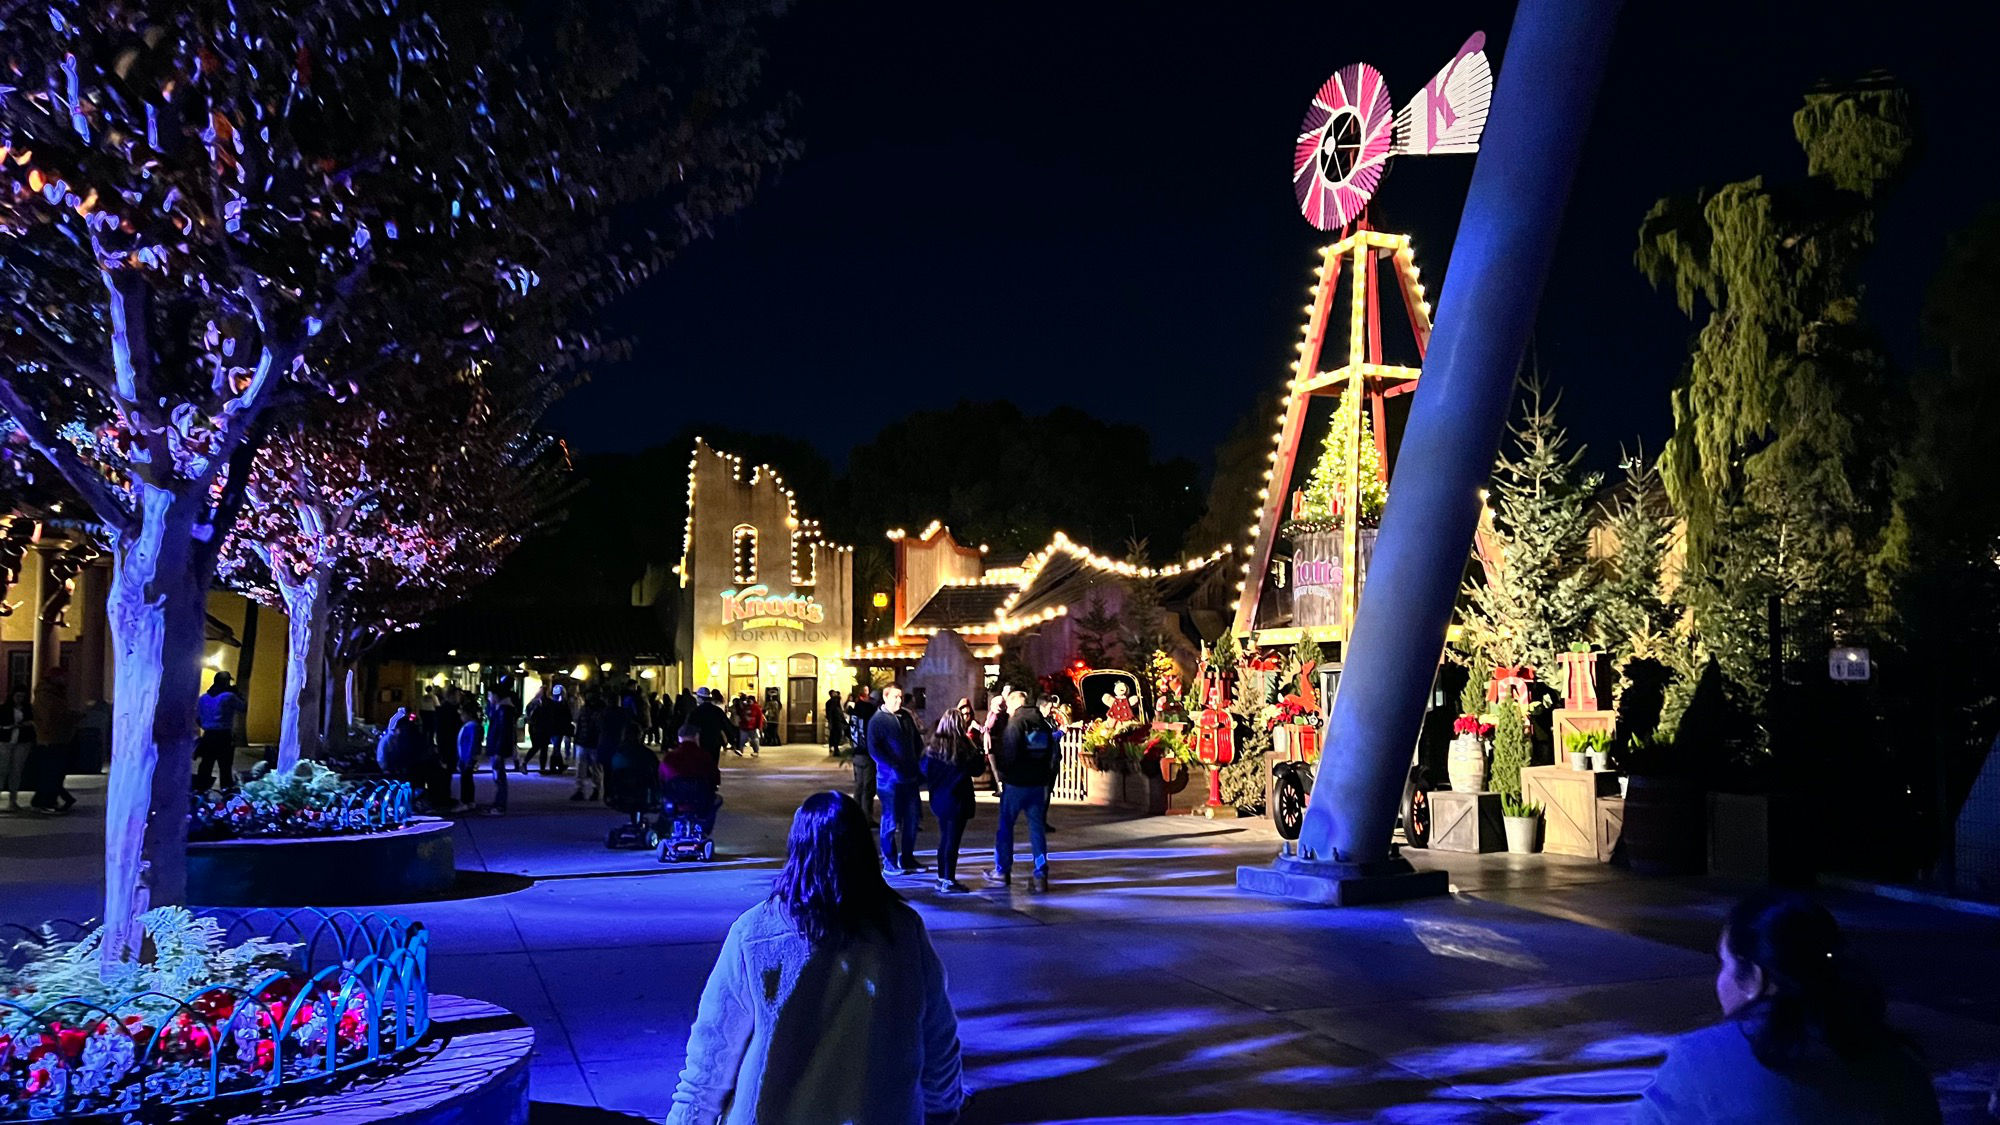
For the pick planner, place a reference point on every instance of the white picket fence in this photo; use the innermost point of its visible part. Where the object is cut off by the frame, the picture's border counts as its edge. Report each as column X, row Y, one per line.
column 1070, row 784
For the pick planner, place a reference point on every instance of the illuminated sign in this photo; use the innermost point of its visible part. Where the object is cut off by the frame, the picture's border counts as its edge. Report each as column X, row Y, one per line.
column 755, row 607
column 1315, row 572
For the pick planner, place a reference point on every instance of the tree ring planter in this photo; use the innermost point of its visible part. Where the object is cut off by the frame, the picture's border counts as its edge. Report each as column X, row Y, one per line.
column 475, row 1074
column 407, row 864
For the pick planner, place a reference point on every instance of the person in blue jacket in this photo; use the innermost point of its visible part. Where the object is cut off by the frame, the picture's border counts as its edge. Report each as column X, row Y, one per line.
column 896, row 748
column 1804, row 1036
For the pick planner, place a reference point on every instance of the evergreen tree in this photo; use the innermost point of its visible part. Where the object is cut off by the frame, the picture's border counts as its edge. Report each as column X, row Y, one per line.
column 1536, row 596
column 1632, row 616
column 1778, row 458
column 1141, row 626
column 1097, row 629
column 1513, row 747
column 1328, row 482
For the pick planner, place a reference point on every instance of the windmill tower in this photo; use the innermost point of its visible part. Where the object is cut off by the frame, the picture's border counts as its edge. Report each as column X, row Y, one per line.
column 1306, row 562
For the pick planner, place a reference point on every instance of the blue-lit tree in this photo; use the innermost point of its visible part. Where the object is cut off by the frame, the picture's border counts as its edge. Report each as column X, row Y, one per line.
column 212, row 213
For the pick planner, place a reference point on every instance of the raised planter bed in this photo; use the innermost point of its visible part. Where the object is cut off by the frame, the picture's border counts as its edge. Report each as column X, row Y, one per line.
column 408, row 864
column 474, row 1072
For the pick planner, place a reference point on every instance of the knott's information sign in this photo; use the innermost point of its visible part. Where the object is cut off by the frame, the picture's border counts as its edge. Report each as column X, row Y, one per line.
column 755, row 607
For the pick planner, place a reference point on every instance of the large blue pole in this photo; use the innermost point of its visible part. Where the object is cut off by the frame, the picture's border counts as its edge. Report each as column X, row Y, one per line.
column 1549, row 77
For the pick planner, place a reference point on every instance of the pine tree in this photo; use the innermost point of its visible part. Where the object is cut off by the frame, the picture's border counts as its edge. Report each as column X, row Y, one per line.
column 1632, row 616
column 1327, row 484
column 1513, row 747
column 1536, row 596
column 1097, row 634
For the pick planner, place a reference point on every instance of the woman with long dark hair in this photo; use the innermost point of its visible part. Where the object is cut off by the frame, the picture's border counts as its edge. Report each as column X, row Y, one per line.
column 1805, row 1037
column 949, row 767
column 827, row 1002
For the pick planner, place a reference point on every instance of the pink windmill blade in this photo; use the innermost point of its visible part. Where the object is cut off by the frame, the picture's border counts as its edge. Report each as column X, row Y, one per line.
column 1351, row 130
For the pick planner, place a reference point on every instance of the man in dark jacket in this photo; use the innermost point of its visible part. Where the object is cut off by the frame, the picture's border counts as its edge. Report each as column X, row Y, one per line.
column 1029, row 755
column 714, row 727
column 897, row 750
column 860, row 708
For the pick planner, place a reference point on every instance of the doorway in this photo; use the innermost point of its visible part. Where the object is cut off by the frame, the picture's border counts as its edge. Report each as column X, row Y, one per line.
column 802, row 700
column 742, row 675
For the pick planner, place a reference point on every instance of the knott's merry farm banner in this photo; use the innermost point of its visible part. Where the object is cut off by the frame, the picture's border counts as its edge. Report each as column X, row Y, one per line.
column 755, row 607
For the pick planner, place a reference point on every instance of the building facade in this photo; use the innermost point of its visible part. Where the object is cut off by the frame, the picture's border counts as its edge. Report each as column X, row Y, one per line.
column 766, row 603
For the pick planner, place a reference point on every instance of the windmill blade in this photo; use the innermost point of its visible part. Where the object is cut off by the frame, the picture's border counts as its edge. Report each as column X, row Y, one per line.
column 1449, row 113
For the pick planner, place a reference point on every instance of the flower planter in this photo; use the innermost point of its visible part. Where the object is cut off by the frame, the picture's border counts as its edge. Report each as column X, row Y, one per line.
column 1582, row 762
column 1523, row 834
column 1465, row 765
column 1103, row 787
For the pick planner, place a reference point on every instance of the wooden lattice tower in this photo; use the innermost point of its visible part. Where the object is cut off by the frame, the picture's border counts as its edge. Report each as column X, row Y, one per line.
column 1358, row 258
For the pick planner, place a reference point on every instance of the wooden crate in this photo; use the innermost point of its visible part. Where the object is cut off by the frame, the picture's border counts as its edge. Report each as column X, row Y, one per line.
column 1610, row 826
column 1466, row 822
column 1567, row 722
column 1569, row 805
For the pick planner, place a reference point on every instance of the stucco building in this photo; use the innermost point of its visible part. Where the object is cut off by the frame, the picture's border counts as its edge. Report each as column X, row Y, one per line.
column 765, row 601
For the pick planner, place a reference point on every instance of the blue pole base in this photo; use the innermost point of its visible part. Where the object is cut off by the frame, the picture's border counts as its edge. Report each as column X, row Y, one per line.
column 1329, row 883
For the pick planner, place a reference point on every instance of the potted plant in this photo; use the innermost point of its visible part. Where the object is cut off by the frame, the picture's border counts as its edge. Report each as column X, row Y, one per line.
column 1523, row 820
column 1585, row 748
column 1465, row 764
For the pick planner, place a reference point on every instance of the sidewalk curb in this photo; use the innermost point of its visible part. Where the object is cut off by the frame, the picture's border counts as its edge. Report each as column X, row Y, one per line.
column 1912, row 895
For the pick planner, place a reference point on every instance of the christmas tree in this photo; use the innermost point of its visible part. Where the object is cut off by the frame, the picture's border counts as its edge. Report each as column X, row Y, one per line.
column 1327, row 485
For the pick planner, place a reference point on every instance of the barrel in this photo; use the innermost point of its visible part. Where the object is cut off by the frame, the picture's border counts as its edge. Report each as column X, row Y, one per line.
column 1666, row 826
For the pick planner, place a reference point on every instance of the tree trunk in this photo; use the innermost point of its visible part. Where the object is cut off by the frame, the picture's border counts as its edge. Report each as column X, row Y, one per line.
column 305, row 668
column 339, row 712
column 246, row 667
column 156, row 609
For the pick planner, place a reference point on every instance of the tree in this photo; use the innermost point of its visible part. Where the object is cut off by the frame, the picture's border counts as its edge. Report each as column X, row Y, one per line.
column 1632, row 615
column 194, row 200
column 1535, row 597
column 211, row 211
column 1097, row 634
column 1326, row 487
column 1240, row 463
column 1943, row 541
column 360, row 522
column 1779, row 455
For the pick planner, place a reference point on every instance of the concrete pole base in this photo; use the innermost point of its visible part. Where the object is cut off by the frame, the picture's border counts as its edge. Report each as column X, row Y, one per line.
column 1328, row 883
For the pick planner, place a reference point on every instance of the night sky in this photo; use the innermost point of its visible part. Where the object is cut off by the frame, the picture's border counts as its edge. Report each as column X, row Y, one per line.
column 1091, row 204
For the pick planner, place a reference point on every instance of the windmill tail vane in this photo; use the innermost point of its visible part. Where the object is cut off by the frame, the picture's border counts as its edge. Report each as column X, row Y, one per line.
column 1351, row 129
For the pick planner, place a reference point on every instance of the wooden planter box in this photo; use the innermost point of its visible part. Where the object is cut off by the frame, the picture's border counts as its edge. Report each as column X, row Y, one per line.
column 1566, row 722
column 1569, row 805
column 1466, row 822
column 1610, row 827
column 1756, row 836
column 1131, row 791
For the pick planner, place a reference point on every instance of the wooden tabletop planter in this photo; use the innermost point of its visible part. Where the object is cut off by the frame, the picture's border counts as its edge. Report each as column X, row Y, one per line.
column 408, row 864
column 1569, row 805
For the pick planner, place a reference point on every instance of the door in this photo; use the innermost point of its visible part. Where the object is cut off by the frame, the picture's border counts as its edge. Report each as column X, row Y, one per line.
column 742, row 676
column 802, row 700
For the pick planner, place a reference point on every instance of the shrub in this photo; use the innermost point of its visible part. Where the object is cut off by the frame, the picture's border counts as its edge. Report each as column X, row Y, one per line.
column 1512, row 747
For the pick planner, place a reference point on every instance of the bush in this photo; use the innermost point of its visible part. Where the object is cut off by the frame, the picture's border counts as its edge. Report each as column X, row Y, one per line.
column 1512, row 747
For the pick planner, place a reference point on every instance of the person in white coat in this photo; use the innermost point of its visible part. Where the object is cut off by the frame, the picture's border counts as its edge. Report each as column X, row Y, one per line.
column 827, row 1002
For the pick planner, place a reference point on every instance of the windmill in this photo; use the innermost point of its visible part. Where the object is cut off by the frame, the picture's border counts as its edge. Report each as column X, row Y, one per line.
column 1350, row 132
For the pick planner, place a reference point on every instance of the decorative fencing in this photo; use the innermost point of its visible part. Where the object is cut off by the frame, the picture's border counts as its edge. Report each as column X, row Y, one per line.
column 352, row 993
column 1070, row 782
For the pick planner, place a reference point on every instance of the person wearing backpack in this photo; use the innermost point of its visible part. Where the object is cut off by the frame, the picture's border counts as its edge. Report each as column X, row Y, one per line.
column 1027, row 760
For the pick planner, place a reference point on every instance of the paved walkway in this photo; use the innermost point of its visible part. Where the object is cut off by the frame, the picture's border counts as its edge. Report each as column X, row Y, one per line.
column 1143, row 987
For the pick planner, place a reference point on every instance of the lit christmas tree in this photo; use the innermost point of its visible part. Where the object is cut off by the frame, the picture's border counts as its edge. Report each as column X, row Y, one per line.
column 1323, row 495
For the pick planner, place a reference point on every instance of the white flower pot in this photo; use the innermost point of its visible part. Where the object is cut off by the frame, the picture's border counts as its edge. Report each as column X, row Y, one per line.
column 1465, row 765
column 1523, row 834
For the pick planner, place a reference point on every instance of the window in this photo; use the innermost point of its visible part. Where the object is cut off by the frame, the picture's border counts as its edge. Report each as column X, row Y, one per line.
column 804, row 566
column 803, row 664
column 744, row 544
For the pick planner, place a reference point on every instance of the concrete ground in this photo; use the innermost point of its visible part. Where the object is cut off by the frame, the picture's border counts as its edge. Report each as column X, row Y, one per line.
column 1143, row 987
